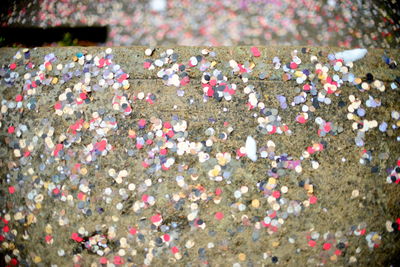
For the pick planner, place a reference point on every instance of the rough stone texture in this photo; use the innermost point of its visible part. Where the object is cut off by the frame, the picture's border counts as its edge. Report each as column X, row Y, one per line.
column 333, row 181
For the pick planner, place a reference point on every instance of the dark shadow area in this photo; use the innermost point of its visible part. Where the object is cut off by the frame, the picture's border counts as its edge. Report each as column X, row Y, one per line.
column 34, row 36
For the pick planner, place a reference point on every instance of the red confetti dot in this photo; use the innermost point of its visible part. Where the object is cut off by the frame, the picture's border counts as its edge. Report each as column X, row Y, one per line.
column 118, row 260
column 132, row 231
column 19, row 98
column 320, row 147
column 58, row 105
column 81, row 196
column 76, row 237
column 6, row 229
column 166, row 237
column 13, row 66
column 293, row 65
column 14, row 262
column 170, row 133
column 11, row 129
column 11, row 189
column 327, row 127
column 312, row 243
column 103, row 260
column 48, row 238
column 276, row 194
column 210, row 92
column 219, row 215
column 167, row 125
column 145, row 198
column 327, row 246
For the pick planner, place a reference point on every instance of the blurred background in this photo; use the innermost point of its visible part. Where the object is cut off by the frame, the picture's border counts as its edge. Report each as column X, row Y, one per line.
column 344, row 23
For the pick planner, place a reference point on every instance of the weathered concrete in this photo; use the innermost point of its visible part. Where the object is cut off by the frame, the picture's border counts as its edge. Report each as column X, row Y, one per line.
column 333, row 182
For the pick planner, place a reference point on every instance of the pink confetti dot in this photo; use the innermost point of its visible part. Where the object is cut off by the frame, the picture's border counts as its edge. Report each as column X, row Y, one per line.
column 218, row 191
column 163, row 151
column 146, row 65
column 13, row 66
column 156, row 218
column 301, row 119
column 142, row 123
column 174, row 250
column 219, row 215
column 310, row 150
column 254, row 50
column 312, row 243
column 103, row 260
column 313, row 199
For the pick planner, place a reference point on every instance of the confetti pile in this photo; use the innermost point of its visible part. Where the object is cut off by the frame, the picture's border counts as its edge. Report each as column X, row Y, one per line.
column 341, row 23
column 221, row 156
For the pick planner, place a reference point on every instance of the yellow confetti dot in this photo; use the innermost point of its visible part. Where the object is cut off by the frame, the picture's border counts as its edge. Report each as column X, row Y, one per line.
column 222, row 161
column 84, row 171
column 255, row 203
column 242, row 256
column 37, row 259
column 298, row 74
column 86, row 125
column 49, row 229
